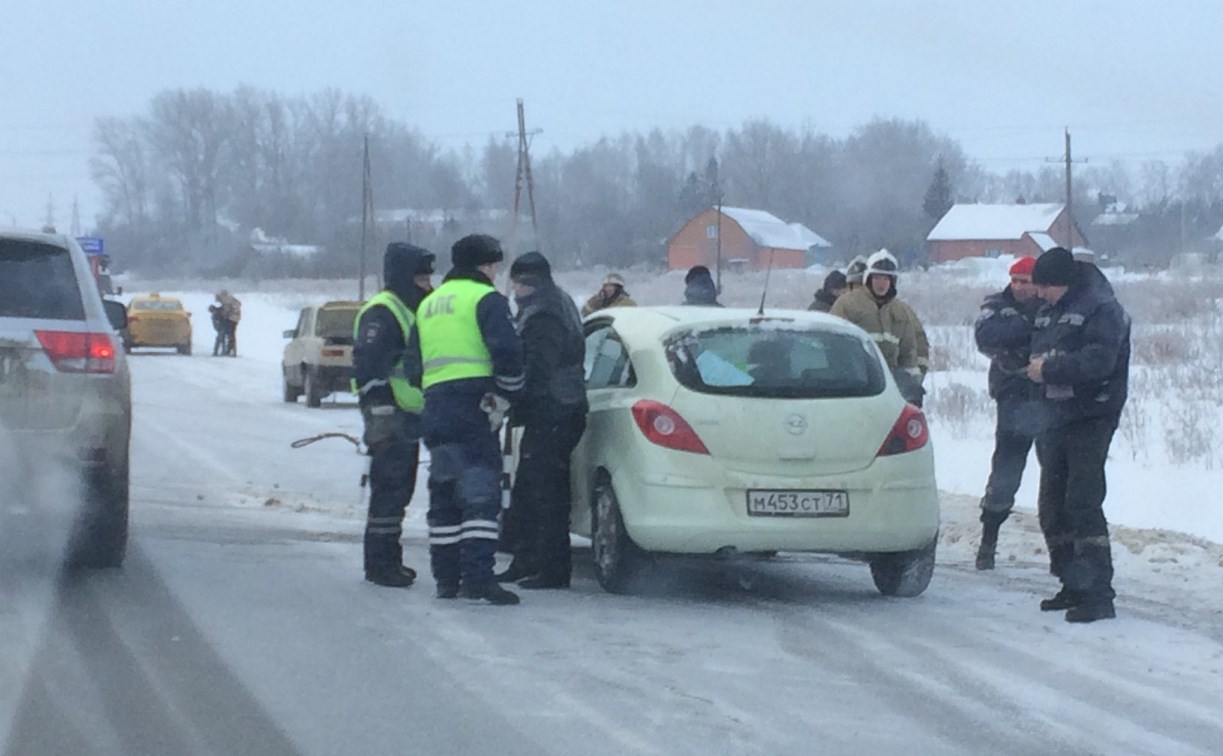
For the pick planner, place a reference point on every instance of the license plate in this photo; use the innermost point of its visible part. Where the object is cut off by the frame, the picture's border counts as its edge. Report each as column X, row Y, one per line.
column 798, row 503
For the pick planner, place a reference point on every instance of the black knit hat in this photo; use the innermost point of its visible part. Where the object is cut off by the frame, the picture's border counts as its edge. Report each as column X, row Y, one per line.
column 835, row 280
column 1054, row 268
column 531, row 269
column 475, row 250
column 401, row 262
column 697, row 271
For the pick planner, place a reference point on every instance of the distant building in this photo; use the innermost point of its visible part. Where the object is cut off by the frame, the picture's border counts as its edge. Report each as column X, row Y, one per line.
column 751, row 240
column 994, row 230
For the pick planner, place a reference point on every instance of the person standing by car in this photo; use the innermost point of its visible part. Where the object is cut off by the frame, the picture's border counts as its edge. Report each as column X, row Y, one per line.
column 890, row 322
column 387, row 383
column 221, row 344
column 552, row 410
column 1004, row 334
column 1080, row 358
column 611, row 294
column 472, row 365
column 231, row 313
column 834, row 286
column 699, row 288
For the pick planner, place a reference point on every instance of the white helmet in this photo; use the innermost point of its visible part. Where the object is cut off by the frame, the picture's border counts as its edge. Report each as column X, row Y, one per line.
column 855, row 269
column 882, row 263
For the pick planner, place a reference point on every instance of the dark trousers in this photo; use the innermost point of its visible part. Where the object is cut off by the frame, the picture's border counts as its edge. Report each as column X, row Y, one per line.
column 540, row 501
column 1071, row 505
column 392, row 479
column 1014, row 434
column 464, row 490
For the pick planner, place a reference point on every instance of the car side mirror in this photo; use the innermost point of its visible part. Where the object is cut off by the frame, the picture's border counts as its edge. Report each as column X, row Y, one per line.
column 116, row 313
column 290, row 334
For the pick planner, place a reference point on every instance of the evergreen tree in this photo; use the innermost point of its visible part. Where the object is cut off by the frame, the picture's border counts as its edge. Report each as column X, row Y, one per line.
column 938, row 196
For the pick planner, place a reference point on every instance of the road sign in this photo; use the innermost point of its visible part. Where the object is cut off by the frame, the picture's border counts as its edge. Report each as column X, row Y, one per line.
column 93, row 245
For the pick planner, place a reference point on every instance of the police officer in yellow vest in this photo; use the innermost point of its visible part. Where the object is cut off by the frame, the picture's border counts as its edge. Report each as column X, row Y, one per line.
column 472, row 366
column 386, row 377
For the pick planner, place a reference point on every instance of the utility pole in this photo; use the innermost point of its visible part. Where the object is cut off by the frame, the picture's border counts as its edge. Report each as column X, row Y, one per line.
column 718, row 259
column 367, row 218
column 50, row 211
column 1066, row 158
column 76, row 217
column 523, row 175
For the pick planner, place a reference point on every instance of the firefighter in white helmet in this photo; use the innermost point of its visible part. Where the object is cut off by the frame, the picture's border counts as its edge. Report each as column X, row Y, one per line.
column 875, row 308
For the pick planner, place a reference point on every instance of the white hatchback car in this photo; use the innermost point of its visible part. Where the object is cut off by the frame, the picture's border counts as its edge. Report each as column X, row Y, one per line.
column 720, row 431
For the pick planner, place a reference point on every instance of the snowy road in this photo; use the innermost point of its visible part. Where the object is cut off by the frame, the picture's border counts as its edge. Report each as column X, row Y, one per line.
column 240, row 625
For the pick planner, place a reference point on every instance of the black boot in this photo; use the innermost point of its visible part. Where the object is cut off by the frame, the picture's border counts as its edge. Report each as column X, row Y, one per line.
column 1091, row 611
column 1064, row 600
column 989, row 541
column 447, row 590
column 402, row 577
column 492, row 592
column 517, row 570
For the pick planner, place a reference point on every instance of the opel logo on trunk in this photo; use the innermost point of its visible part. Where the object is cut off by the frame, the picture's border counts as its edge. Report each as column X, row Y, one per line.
column 796, row 424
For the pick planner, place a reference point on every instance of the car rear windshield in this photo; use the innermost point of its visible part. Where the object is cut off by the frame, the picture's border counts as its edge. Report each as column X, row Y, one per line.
column 336, row 324
column 37, row 280
column 768, row 360
column 158, row 304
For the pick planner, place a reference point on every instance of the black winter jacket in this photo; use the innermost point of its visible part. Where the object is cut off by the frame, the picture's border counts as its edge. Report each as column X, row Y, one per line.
column 555, row 352
column 1085, row 339
column 1004, row 334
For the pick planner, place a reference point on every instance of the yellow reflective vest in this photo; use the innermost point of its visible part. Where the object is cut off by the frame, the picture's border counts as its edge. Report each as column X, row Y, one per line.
column 408, row 397
column 451, row 345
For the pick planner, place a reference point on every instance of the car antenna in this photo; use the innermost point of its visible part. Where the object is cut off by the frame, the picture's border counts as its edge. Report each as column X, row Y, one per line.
column 765, row 291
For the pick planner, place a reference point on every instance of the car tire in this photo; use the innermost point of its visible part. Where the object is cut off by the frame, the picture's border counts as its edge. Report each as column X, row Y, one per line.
column 100, row 538
column 617, row 560
column 904, row 573
column 291, row 392
column 184, row 348
column 314, row 392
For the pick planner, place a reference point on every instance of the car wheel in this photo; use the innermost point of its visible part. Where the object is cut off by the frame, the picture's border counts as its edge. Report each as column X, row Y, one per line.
column 616, row 558
column 291, row 392
column 100, row 537
column 314, row 392
column 184, row 348
column 904, row 573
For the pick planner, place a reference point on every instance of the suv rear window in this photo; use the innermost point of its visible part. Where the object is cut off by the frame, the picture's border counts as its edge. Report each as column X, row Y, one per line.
column 336, row 324
column 37, row 280
column 767, row 361
column 167, row 305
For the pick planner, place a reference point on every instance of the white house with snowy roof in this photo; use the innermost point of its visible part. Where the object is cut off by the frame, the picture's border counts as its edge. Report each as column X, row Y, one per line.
column 981, row 230
column 750, row 239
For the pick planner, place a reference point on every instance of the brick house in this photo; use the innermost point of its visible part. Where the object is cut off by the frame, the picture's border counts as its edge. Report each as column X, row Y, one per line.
column 750, row 239
column 994, row 230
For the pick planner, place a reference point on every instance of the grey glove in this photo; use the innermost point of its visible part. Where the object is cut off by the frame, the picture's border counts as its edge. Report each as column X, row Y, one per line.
column 496, row 408
column 381, row 424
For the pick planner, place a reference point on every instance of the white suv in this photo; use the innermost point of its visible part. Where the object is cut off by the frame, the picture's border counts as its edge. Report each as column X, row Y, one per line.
column 318, row 359
column 65, row 393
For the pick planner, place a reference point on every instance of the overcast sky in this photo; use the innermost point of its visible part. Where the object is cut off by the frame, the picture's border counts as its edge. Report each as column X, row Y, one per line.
column 1132, row 79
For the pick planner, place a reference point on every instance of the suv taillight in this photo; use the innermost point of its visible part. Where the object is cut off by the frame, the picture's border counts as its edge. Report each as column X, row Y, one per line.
column 908, row 434
column 663, row 426
column 74, row 352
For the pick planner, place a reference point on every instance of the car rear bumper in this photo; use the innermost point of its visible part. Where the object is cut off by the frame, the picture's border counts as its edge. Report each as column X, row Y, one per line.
column 334, row 377
column 893, row 506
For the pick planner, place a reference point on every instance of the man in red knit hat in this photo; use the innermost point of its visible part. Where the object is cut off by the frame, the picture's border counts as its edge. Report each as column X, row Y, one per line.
column 1004, row 334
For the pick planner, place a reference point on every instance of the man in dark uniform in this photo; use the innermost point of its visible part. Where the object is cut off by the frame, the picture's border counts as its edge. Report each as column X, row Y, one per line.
column 1004, row 334
column 471, row 361
column 552, row 410
column 699, row 288
column 1080, row 356
column 387, row 380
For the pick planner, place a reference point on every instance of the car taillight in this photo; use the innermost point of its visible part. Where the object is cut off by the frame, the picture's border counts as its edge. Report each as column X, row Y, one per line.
column 908, row 434
column 663, row 426
column 74, row 352
column 333, row 352
column 133, row 319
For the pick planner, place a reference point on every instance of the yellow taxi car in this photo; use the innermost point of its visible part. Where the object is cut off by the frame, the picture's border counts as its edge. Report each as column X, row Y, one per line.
column 157, row 321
